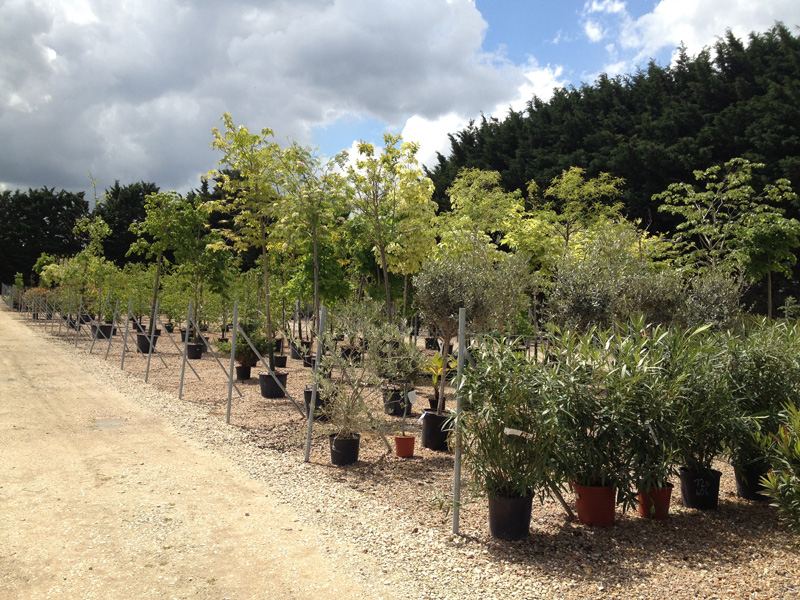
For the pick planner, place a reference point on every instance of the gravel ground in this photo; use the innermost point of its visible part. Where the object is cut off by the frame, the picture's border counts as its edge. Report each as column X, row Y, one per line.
column 391, row 507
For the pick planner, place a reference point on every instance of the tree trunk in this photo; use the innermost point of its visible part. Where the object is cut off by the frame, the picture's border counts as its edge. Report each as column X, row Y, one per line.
column 386, row 287
column 445, row 354
column 769, row 294
column 316, row 280
column 152, row 325
column 270, row 335
column 405, row 294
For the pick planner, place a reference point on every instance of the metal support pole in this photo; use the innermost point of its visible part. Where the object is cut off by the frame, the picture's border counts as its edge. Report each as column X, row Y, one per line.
column 233, row 358
column 462, row 348
column 185, row 349
column 313, row 404
column 152, row 327
column 113, row 327
column 125, row 336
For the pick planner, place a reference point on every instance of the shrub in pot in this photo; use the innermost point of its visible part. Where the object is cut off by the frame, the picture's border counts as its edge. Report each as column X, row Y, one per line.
column 506, row 392
column 765, row 374
column 245, row 355
column 705, row 415
column 782, row 484
column 595, row 396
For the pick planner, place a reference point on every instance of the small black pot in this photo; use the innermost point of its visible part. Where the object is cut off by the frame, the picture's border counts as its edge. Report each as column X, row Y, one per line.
column 700, row 489
column 169, row 327
column 394, row 402
column 434, row 435
column 319, row 404
column 280, row 361
column 748, row 481
column 243, row 372
column 270, row 389
column 344, row 451
column 194, row 351
column 510, row 518
column 431, row 343
column 143, row 341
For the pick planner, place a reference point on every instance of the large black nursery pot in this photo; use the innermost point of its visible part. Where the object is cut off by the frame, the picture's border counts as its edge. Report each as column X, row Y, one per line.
column 103, row 331
column 319, row 404
column 700, row 489
column 748, row 481
column 434, row 434
column 510, row 518
column 344, row 451
column 395, row 403
column 270, row 389
column 243, row 372
column 194, row 351
column 143, row 341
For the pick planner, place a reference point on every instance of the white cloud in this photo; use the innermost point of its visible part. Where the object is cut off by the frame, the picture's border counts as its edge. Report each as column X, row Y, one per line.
column 698, row 24
column 131, row 90
column 593, row 30
column 605, row 6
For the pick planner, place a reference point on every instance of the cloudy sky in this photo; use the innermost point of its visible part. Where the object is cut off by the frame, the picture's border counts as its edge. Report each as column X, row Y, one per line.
column 130, row 90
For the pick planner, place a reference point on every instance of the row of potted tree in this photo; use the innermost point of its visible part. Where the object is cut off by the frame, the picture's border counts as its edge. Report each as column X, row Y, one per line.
column 617, row 413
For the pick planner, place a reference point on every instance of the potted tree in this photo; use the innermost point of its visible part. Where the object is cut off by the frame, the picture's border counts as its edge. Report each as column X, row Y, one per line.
column 765, row 375
column 508, row 434
column 245, row 356
column 443, row 286
column 596, row 395
column 705, row 418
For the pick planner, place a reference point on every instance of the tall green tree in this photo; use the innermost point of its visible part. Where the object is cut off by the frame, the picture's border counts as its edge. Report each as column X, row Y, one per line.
column 251, row 177
column 389, row 199
column 120, row 206
column 729, row 226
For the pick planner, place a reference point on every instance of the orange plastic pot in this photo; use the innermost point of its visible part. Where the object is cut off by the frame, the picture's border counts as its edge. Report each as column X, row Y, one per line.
column 404, row 445
column 655, row 503
column 595, row 505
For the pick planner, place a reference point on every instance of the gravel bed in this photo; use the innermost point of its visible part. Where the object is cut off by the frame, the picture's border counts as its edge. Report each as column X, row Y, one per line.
column 391, row 508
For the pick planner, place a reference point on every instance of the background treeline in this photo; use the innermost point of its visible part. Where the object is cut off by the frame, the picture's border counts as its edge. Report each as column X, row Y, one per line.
column 652, row 128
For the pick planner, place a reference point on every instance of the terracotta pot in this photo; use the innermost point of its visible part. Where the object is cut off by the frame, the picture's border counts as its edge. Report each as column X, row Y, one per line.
column 404, row 445
column 595, row 504
column 655, row 503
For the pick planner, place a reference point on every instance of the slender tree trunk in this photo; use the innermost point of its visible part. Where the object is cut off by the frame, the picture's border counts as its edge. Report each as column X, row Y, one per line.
column 405, row 294
column 386, row 287
column 152, row 325
column 316, row 279
column 270, row 335
column 769, row 294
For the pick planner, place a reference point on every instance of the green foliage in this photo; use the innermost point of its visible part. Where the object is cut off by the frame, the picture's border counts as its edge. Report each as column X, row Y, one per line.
column 244, row 351
column 389, row 204
column 782, row 484
column 652, row 127
column 730, row 227
column 764, row 368
column 504, row 391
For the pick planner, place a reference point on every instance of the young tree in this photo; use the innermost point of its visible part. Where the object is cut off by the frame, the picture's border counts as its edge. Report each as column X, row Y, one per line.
column 390, row 199
column 314, row 199
column 253, row 184
column 162, row 230
column 729, row 226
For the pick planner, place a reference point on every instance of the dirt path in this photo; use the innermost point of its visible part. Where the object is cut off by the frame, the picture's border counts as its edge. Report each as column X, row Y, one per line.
column 99, row 499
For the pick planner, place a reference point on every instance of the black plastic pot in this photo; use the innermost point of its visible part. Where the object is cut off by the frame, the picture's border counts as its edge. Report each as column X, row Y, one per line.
column 103, row 331
column 297, row 352
column 748, row 481
column 194, row 351
column 344, row 451
column 280, row 361
column 270, row 389
column 143, row 341
column 394, row 402
column 319, row 404
column 431, row 343
column 700, row 489
column 243, row 372
column 510, row 518
column 434, row 435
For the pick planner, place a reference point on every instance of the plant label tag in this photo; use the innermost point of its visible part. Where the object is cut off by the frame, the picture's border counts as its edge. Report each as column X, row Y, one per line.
column 412, row 397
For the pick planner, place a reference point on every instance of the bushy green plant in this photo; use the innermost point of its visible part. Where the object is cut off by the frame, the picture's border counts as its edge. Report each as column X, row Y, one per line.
column 505, row 391
column 782, row 484
column 764, row 367
column 244, row 352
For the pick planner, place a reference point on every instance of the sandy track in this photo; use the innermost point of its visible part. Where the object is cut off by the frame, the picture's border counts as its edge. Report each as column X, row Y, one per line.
column 99, row 499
